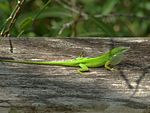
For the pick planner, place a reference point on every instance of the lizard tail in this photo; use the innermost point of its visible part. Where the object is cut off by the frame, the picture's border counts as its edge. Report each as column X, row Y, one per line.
column 59, row 63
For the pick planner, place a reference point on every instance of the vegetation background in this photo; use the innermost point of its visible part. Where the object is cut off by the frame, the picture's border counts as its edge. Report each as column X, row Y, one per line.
column 75, row 18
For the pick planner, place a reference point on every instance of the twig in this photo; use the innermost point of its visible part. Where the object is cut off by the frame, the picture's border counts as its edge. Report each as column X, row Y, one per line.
column 72, row 9
column 77, row 14
column 66, row 25
column 10, row 22
column 132, row 16
column 12, row 19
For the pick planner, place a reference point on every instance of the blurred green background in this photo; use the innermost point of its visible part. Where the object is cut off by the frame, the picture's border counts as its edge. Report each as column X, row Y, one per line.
column 78, row 18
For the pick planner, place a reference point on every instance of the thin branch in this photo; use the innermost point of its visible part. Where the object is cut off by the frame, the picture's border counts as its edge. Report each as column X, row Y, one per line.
column 12, row 19
column 10, row 22
column 77, row 14
column 132, row 16
column 72, row 9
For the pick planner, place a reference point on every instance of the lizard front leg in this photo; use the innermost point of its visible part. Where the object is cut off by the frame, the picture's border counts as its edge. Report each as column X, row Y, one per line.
column 107, row 66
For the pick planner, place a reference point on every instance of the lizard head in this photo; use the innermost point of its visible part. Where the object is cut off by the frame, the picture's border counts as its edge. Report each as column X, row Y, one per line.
column 117, row 54
column 119, row 50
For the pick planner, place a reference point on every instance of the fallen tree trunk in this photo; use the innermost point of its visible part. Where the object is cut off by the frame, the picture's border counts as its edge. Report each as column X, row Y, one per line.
column 58, row 88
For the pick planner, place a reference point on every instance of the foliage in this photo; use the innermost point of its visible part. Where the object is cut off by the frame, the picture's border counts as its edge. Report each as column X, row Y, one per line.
column 78, row 18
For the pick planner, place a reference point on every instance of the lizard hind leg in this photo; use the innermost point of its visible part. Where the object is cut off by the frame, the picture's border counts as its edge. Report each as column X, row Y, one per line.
column 83, row 68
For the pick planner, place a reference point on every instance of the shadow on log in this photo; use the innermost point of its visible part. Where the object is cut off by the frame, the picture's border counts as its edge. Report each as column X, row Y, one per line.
column 46, row 89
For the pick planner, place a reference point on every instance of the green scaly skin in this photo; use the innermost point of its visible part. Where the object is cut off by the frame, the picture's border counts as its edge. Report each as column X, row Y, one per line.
column 110, row 58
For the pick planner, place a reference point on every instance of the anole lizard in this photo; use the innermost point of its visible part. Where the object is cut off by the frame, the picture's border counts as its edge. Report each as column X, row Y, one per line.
column 108, row 59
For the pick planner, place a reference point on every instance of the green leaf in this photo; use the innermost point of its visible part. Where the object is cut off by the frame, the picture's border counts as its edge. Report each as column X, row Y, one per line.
column 107, row 29
column 108, row 6
column 4, row 7
column 26, row 23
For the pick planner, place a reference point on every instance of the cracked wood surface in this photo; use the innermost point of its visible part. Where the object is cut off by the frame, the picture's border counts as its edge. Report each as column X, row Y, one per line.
column 61, row 88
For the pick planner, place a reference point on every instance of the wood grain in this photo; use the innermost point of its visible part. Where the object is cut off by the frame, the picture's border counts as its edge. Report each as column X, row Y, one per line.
column 48, row 89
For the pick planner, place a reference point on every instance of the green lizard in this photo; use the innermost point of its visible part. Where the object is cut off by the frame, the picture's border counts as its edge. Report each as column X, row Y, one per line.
column 108, row 59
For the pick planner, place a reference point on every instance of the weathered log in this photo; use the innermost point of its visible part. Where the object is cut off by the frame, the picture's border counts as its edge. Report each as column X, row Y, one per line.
column 56, row 88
